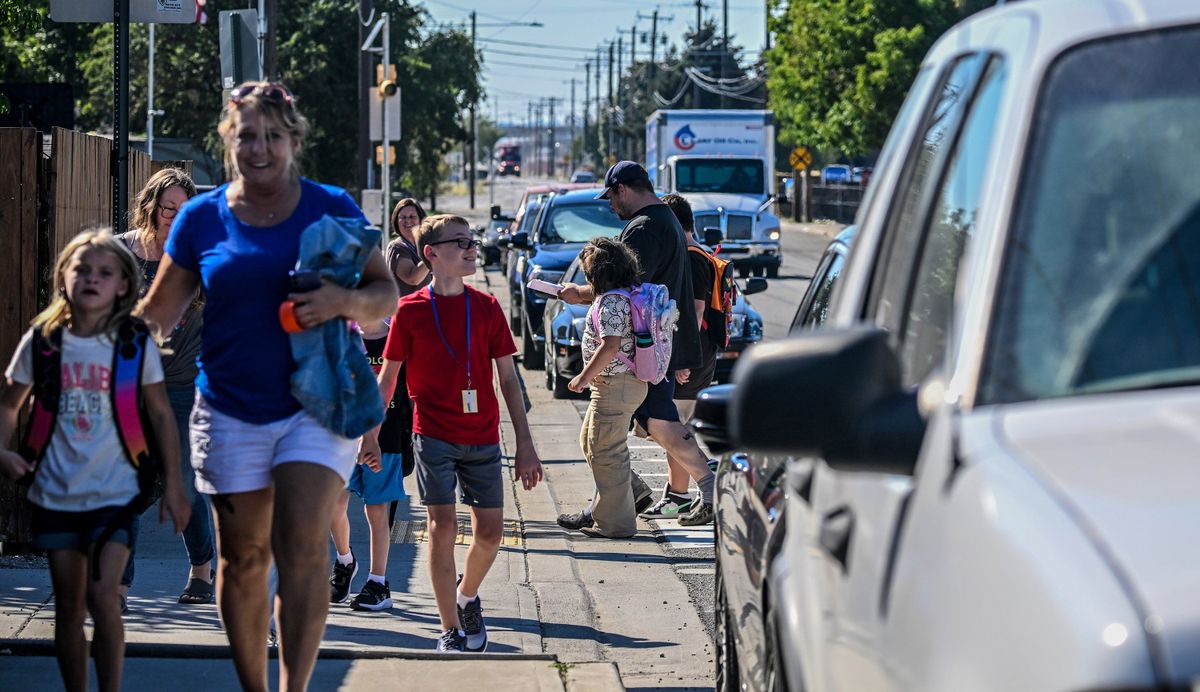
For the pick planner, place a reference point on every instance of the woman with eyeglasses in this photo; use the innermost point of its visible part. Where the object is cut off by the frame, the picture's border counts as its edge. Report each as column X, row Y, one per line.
column 154, row 210
column 272, row 471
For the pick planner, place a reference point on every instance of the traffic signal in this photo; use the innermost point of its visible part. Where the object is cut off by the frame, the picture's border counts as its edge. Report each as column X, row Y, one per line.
column 386, row 87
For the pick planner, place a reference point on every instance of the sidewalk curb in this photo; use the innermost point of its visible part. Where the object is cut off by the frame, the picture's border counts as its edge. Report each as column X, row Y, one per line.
column 600, row 675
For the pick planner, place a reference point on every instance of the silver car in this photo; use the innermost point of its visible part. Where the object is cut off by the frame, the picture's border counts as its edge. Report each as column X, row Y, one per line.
column 992, row 476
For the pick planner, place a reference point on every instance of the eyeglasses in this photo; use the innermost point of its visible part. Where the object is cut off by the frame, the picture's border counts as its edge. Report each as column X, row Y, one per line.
column 168, row 212
column 272, row 91
column 462, row 243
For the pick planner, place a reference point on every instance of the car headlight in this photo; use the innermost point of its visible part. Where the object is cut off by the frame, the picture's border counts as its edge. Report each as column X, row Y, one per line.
column 577, row 328
column 737, row 325
column 773, row 233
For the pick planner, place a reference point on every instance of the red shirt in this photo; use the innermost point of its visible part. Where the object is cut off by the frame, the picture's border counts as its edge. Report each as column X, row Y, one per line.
column 436, row 379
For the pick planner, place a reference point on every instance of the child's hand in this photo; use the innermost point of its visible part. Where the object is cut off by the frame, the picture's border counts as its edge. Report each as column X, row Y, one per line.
column 529, row 467
column 13, row 465
column 682, row 376
column 570, row 294
column 175, row 503
column 577, row 384
column 369, row 453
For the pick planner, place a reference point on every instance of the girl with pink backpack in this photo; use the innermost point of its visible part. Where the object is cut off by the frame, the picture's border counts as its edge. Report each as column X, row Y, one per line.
column 626, row 343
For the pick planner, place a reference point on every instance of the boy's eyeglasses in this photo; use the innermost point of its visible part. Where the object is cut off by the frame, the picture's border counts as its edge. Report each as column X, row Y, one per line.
column 273, row 92
column 462, row 243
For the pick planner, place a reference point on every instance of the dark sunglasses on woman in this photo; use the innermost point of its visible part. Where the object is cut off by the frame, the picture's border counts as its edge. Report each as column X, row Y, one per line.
column 272, row 91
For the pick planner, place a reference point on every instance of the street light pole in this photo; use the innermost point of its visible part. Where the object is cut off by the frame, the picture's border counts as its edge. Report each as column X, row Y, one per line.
column 471, row 173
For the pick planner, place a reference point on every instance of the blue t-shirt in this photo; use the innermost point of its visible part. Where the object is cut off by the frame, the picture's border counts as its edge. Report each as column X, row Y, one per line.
column 245, row 358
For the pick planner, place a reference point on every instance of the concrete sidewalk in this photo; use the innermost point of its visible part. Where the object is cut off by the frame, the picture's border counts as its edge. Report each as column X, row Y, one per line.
column 563, row 610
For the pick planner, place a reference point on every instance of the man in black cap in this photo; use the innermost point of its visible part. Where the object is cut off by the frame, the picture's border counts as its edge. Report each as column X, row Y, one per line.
column 655, row 236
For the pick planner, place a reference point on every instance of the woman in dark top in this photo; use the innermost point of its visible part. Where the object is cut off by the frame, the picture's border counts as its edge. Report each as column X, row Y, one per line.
column 411, row 275
column 153, row 212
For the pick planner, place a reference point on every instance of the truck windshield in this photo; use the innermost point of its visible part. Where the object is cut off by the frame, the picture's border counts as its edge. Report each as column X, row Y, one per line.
column 1101, row 284
column 733, row 176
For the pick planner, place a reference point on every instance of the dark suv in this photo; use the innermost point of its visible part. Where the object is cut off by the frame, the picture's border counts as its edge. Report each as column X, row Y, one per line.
column 565, row 223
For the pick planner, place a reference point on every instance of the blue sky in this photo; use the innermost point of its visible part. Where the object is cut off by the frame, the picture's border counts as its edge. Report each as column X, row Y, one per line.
column 516, row 74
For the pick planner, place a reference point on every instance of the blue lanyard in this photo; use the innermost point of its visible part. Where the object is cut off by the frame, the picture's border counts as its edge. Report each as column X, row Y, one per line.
column 437, row 322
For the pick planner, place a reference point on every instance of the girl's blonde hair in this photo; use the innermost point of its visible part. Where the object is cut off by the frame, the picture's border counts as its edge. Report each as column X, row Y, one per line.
column 58, row 313
column 276, row 105
column 145, row 207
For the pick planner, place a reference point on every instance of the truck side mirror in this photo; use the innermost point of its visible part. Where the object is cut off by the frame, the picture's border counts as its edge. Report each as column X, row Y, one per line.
column 712, row 236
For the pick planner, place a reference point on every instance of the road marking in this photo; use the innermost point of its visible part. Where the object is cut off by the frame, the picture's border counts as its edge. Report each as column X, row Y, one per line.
column 681, row 537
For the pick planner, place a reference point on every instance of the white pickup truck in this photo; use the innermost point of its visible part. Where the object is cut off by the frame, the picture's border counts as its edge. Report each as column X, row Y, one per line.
column 723, row 162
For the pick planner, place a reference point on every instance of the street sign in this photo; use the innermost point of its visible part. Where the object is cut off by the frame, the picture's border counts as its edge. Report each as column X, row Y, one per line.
column 237, row 36
column 376, row 109
column 800, row 158
column 140, row 11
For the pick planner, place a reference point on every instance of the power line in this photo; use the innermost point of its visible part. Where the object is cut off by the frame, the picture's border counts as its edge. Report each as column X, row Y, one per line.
column 530, row 67
column 519, row 54
column 527, row 44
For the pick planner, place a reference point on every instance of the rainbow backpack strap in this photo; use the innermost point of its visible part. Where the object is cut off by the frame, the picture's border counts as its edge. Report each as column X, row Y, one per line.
column 133, row 428
column 129, row 353
column 47, row 387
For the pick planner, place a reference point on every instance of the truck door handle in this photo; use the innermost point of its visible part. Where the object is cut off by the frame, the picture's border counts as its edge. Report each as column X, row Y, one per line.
column 836, row 529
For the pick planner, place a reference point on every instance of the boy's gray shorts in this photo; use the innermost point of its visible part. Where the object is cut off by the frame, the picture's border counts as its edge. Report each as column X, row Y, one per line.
column 476, row 469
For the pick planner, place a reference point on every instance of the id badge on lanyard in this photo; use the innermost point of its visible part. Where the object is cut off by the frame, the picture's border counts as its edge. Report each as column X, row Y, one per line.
column 470, row 395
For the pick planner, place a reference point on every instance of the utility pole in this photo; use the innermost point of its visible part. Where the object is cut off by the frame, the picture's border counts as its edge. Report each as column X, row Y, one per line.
column 267, row 16
column 696, row 53
column 471, row 173
column 724, row 45
column 150, row 97
column 119, row 157
column 633, row 45
column 571, row 144
column 609, row 118
column 550, row 144
column 599, row 154
column 620, row 78
column 587, row 97
column 365, row 169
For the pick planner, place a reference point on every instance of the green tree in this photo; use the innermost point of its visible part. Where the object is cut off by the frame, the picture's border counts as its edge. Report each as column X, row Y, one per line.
column 839, row 69
column 317, row 57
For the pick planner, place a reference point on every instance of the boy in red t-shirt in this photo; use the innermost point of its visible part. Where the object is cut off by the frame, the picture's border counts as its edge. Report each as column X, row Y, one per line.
column 450, row 334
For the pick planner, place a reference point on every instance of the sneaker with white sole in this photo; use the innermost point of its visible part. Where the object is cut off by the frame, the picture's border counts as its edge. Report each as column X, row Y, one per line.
column 340, row 578
column 374, row 596
column 452, row 642
column 701, row 514
column 668, row 506
column 470, row 617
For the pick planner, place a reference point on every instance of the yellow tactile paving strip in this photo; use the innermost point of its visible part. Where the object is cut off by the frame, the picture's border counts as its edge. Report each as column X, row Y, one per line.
column 416, row 532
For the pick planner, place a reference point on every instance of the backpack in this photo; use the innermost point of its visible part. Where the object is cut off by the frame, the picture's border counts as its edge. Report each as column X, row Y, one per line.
column 654, row 316
column 129, row 413
column 718, row 313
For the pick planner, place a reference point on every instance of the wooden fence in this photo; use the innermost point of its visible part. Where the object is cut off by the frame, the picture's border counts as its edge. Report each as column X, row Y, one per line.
column 46, row 197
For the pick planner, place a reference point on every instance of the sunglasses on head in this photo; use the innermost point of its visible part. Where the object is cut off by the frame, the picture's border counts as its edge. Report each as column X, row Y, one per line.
column 272, row 91
column 462, row 243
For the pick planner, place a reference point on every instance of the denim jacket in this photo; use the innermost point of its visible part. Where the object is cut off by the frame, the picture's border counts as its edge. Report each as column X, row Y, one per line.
column 333, row 380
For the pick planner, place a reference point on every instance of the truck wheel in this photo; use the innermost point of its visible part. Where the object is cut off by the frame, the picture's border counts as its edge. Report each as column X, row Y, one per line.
column 759, row 271
column 727, row 673
column 743, row 272
column 773, row 272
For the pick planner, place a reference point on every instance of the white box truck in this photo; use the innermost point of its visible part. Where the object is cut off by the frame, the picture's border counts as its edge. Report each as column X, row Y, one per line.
column 723, row 163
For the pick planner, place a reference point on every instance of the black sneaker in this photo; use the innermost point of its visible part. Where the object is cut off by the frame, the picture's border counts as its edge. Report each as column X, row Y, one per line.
column 471, row 618
column 452, row 642
column 340, row 578
column 374, row 596
column 574, row 522
column 670, row 505
column 701, row 514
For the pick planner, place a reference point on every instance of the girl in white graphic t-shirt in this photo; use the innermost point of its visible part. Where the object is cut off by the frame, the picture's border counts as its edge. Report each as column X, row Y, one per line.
column 83, row 477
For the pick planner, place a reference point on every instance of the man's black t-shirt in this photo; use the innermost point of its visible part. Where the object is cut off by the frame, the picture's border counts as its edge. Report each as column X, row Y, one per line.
column 655, row 236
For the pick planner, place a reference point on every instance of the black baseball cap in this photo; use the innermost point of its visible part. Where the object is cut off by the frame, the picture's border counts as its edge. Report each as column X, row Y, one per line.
column 623, row 172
